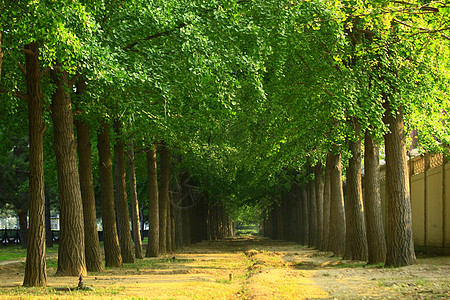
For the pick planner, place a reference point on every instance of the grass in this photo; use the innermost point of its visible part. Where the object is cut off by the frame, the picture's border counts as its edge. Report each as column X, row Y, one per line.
column 17, row 252
column 48, row 292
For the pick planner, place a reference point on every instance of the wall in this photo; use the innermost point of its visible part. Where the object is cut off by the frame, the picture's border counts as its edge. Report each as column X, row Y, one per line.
column 430, row 200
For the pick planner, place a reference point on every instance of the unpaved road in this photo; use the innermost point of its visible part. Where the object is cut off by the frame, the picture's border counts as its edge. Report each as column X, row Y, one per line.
column 243, row 268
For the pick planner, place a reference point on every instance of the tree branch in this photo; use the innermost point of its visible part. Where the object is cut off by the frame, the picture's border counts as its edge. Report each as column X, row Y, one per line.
column 28, row 51
column 154, row 36
column 44, row 71
column 22, row 96
column 74, row 79
column 22, row 69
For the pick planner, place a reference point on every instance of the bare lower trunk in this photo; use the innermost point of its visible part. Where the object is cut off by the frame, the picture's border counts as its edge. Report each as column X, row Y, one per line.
column 372, row 203
column 326, row 205
column 71, row 255
column 35, row 266
column 134, row 204
column 312, row 215
column 318, row 174
column 356, row 240
column 113, row 257
column 123, row 214
column 336, row 239
column 48, row 224
column 23, row 227
column 177, row 199
column 400, row 245
column 164, row 198
column 305, row 216
column 1, row 58
column 94, row 261
column 153, row 206
column 169, row 228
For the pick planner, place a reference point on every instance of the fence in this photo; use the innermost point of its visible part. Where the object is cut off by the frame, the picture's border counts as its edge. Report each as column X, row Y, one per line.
column 430, row 199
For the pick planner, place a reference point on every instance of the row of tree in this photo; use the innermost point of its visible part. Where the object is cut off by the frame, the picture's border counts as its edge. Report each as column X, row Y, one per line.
column 246, row 96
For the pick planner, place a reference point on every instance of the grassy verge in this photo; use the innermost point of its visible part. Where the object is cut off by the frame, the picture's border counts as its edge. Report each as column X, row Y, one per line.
column 18, row 253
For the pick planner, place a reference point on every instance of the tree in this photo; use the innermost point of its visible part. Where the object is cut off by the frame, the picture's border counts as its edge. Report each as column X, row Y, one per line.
column 35, row 266
column 134, row 203
column 336, row 239
column 113, row 257
column 319, row 186
column 376, row 241
column 123, row 215
column 94, row 261
column 356, row 240
column 164, row 200
column 71, row 255
column 153, row 209
column 400, row 245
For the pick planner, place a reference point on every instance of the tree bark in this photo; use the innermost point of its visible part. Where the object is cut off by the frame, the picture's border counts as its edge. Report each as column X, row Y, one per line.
column 94, row 260
column 177, row 199
column 1, row 58
column 35, row 266
column 400, row 245
column 319, row 186
column 372, row 203
column 312, row 215
column 169, row 229
column 336, row 238
column 71, row 255
column 164, row 197
column 48, row 224
column 326, row 204
column 23, row 227
column 356, row 239
column 113, row 256
column 123, row 214
column 153, row 206
column 134, row 204
column 305, row 216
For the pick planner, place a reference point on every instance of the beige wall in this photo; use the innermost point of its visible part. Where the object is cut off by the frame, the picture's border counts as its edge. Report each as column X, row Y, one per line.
column 446, row 213
column 430, row 204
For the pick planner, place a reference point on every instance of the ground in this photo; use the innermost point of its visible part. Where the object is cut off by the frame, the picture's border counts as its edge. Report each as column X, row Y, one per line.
column 242, row 268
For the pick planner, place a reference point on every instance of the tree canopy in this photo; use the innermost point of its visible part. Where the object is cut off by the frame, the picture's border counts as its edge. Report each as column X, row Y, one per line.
column 250, row 94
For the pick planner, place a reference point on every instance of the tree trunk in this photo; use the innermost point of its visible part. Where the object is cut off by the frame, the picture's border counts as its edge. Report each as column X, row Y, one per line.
column 113, row 256
column 23, row 227
column 336, row 238
column 35, row 266
column 94, row 260
column 356, row 240
column 48, row 224
column 186, row 213
column 326, row 205
column 164, row 198
column 186, row 217
column 312, row 215
column 169, row 228
column 153, row 206
column 134, row 204
column 305, row 216
column 71, row 255
column 172, row 218
column 177, row 199
column 1, row 58
column 372, row 203
column 318, row 174
column 123, row 214
column 400, row 245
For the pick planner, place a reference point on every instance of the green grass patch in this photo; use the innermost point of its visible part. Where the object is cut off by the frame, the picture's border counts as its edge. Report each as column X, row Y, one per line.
column 31, row 292
column 17, row 252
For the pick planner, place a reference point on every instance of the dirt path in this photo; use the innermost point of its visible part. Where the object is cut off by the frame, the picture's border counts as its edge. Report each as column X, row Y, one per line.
column 243, row 268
